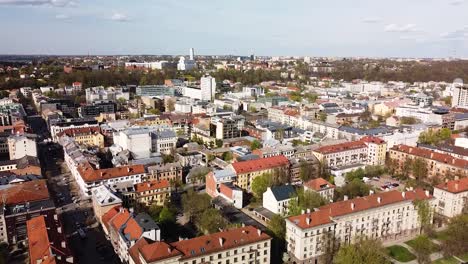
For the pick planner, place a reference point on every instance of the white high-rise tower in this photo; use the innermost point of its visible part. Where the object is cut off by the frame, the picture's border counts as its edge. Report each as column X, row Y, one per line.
column 192, row 54
column 208, row 87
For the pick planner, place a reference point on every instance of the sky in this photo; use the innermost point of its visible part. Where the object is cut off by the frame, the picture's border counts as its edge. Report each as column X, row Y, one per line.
column 332, row 28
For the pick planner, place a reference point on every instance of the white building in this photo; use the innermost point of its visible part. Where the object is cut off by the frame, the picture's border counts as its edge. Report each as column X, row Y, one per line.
column 208, row 88
column 460, row 94
column 385, row 216
column 185, row 65
column 21, row 145
column 322, row 187
column 100, row 93
column 451, row 197
column 276, row 199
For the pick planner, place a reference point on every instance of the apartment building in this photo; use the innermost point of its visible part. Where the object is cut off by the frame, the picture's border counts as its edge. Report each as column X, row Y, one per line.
column 103, row 201
column 227, row 127
column 322, row 187
column 368, row 150
column 58, row 125
column 21, row 202
column 23, row 166
column 47, row 244
column 100, row 93
column 171, row 172
column 241, row 245
column 386, row 216
column 22, row 145
column 439, row 165
column 155, row 192
column 88, row 136
column 124, row 229
column 89, row 177
column 246, row 171
column 452, row 197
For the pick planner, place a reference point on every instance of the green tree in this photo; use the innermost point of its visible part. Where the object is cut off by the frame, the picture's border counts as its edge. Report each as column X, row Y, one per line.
column 305, row 200
column 227, row 156
column 356, row 174
column 363, row 251
column 307, row 171
column 456, row 242
column 261, row 183
column 194, row 203
column 424, row 215
column 219, row 143
column 353, row 189
column 419, row 169
column 167, row 216
column 210, row 221
column 168, row 158
column 322, row 116
column 255, row 145
column 277, row 226
column 423, row 247
column 154, row 211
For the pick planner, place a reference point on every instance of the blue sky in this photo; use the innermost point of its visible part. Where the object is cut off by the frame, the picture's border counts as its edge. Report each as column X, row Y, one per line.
column 375, row 28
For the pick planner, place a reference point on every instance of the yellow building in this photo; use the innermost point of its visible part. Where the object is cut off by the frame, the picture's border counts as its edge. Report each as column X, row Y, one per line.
column 148, row 193
column 89, row 136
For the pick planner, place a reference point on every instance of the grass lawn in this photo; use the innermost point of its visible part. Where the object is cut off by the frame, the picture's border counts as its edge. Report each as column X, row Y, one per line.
column 441, row 236
column 434, row 247
column 400, row 253
column 449, row 260
column 464, row 257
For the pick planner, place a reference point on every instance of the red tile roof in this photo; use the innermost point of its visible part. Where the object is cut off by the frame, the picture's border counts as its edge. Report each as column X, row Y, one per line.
column 325, row 213
column 25, row 192
column 120, row 219
column 109, row 215
column 132, row 229
column 199, row 246
column 152, row 185
column 134, row 251
column 318, row 184
column 260, row 164
column 89, row 174
column 73, row 132
column 432, row 155
column 455, row 186
column 341, row 147
column 370, row 139
column 39, row 245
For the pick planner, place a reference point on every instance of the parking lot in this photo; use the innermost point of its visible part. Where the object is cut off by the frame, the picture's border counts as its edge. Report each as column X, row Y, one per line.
column 386, row 183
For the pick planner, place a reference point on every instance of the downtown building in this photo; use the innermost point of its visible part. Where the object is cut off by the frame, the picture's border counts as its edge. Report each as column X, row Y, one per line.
column 452, row 197
column 385, row 216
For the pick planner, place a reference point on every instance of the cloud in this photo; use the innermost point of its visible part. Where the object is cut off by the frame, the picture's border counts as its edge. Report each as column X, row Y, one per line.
column 457, row 2
column 400, row 28
column 371, row 20
column 458, row 34
column 120, row 17
column 62, row 17
column 56, row 3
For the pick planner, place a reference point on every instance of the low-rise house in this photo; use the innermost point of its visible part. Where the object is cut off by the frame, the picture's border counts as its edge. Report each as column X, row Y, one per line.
column 240, row 245
column 452, row 197
column 155, row 192
column 276, row 199
column 322, row 187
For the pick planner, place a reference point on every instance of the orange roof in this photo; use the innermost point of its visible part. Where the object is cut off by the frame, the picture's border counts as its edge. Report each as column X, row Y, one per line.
column 152, row 185
column 370, row 139
column 120, row 219
column 318, row 184
column 89, row 174
column 109, row 215
column 429, row 154
column 202, row 245
column 341, row 147
column 132, row 229
column 25, row 192
column 135, row 249
column 326, row 213
column 39, row 245
column 455, row 186
column 73, row 132
column 260, row 164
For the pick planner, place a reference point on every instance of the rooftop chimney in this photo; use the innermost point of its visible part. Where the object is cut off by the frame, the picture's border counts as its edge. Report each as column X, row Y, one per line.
column 353, row 206
column 308, row 210
column 427, row 193
column 302, row 212
column 403, row 194
column 371, row 192
column 379, row 199
column 456, row 186
column 345, row 198
column 259, row 232
column 221, row 241
column 307, row 220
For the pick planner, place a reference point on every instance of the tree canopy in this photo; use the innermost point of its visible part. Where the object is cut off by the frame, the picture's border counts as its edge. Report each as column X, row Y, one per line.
column 305, row 200
column 364, row 251
column 456, row 241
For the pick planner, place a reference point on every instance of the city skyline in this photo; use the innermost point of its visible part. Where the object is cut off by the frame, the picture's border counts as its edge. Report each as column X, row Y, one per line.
column 295, row 28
